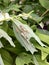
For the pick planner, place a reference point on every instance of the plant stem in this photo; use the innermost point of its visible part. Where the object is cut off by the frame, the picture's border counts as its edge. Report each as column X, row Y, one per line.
column 44, row 12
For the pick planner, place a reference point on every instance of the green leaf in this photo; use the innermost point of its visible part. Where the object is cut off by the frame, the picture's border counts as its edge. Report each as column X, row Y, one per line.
column 1, row 7
column 7, row 59
column 16, row 50
column 12, row 7
column 44, row 55
column 43, row 49
column 10, row 32
column 6, row 36
column 1, row 45
column 43, row 34
column 23, row 59
column 44, row 3
column 1, row 61
column 4, row 26
column 40, row 62
column 6, row 2
column 27, row 8
column 36, row 17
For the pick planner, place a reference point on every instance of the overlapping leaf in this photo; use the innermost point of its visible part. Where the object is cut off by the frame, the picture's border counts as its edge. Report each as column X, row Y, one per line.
column 1, row 61
column 25, row 43
column 24, row 58
column 12, row 7
column 6, row 57
column 5, row 35
column 43, row 34
column 44, row 3
column 23, row 33
column 39, row 61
